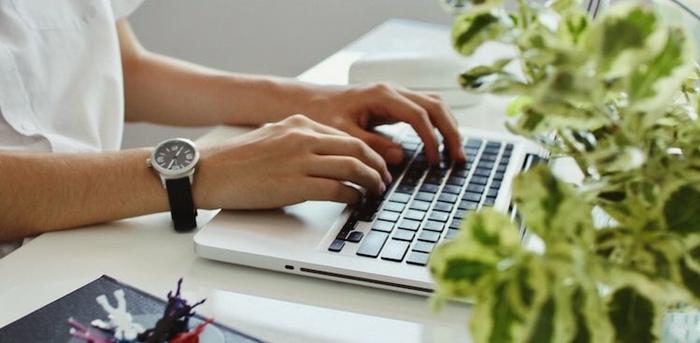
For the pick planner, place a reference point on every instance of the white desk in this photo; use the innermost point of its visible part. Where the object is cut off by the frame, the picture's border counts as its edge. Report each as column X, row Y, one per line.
column 147, row 253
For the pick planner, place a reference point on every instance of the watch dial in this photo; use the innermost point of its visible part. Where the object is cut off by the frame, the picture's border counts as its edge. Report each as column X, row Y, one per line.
column 175, row 155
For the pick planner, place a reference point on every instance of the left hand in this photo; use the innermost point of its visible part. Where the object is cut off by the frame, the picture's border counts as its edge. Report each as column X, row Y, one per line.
column 358, row 109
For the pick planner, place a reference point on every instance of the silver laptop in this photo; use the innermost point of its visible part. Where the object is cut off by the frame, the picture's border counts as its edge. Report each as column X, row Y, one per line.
column 384, row 241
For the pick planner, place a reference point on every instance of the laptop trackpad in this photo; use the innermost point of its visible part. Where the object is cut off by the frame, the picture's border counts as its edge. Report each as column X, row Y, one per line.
column 295, row 227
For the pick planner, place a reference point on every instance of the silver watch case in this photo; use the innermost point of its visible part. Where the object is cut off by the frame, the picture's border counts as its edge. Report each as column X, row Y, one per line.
column 167, row 174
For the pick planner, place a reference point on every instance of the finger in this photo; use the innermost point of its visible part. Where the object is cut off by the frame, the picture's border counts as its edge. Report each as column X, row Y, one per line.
column 345, row 168
column 397, row 106
column 443, row 119
column 353, row 147
column 392, row 152
column 317, row 188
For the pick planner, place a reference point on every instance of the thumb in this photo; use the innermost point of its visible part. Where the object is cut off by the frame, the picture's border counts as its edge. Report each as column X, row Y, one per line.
column 390, row 151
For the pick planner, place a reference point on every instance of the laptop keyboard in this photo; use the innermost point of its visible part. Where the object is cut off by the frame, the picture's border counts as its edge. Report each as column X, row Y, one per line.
column 425, row 205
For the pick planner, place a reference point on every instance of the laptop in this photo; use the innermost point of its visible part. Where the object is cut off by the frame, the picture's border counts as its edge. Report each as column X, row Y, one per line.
column 383, row 241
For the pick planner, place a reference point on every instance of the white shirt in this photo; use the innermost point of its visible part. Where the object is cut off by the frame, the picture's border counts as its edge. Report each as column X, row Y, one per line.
column 61, row 85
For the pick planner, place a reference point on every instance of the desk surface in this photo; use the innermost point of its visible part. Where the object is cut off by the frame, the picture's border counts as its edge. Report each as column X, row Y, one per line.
column 148, row 254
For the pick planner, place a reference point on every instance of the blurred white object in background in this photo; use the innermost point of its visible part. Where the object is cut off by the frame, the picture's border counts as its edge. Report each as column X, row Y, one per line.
column 426, row 72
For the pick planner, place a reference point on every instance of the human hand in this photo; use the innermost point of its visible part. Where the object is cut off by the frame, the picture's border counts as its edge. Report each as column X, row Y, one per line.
column 358, row 109
column 285, row 163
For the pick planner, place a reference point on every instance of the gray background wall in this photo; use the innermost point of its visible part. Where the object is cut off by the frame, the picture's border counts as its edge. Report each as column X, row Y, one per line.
column 280, row 37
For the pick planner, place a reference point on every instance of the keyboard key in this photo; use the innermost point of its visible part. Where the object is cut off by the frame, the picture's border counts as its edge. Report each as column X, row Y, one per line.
column 468, row 205
column 383, row 226
column 492, row 144
column 439, row 216
column 394, row 206
column 337, row 245
column 443, row 206
column 509, row 147
column 408, row 224
column 451, row 233
column 489, row 201
column 474, row 188
column 368, row 209
column 434, row 226
column 389, row 216
column 501, row 169
column 415, row 215
column 420, row 205
column 456, row 224
column 493, row 192
column 498, row 176
column 404, row 235
column 435, row 179
column 473, row 143
column 471, row 196
column 480, row 180
column 428, row 236
column 485, row 165
column 430, row 188
column 461, row 214
column 417, row 258
column 354, row 236
column 425, row 196
column 446, row 197
column 488, row 158
column 405, row 188
column 452, row 189
column 425, row 247
column 456, row 180
column 400, row 197
column 483, row 172
column 462, row 172
column 395, row 250
column 372, row 244
column 496, row 184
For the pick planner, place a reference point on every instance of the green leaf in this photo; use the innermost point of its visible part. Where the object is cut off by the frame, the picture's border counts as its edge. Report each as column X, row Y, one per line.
column 551, row 208
column 544, row 325
column 682, row 210
column 632, row 315
column 472, row 29
column 623, row 29
column 691, row 279
column 491, row 79
column 671, row 65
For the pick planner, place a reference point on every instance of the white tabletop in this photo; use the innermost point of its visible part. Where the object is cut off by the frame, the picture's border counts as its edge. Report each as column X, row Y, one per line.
column 146, row 253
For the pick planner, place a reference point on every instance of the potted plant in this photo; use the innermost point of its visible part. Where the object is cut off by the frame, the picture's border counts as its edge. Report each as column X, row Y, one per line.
column 619, row 96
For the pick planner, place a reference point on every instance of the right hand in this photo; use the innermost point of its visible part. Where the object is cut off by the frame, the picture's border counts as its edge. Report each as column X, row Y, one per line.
column 285, row 163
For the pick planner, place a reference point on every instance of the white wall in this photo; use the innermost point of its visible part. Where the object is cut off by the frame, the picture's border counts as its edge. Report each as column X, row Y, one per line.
column 281, row 37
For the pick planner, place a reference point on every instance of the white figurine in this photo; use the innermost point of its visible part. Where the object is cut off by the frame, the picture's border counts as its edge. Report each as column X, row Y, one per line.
column 119, row 320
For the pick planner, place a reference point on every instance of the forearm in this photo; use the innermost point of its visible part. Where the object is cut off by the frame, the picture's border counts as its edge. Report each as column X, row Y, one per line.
column 46, row 192
column 163, row 90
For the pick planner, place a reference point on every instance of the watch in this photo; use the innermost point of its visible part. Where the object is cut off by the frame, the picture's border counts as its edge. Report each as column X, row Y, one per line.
column 175, row 160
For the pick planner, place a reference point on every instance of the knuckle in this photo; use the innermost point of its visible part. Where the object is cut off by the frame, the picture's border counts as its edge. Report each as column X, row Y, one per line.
column 357, row 145
column 297, row 119
column 381, row 87
column 435, row 96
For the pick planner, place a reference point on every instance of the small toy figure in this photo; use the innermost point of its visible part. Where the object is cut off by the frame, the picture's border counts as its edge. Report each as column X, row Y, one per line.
column 193, row 335
column 120, row 321
column 89, row 335
column 175, row 319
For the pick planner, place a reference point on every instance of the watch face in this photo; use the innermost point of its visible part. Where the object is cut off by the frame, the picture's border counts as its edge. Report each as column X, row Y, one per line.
column 175, row 155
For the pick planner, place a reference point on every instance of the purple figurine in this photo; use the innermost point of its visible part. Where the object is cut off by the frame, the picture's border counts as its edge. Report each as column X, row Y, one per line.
column 175, row 319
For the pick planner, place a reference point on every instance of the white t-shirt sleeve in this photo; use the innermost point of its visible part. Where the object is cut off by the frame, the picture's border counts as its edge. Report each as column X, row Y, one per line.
column 124, row 8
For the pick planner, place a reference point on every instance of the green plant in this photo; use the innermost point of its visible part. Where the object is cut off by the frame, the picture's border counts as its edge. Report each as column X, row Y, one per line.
column 618, row 95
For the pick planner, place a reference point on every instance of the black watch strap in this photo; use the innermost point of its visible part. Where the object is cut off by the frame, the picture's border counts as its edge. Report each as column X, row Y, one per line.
column 182, row 208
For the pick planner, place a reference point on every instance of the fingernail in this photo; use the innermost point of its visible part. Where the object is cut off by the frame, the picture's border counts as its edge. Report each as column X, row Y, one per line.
column 394, row 156
column 382, row 188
